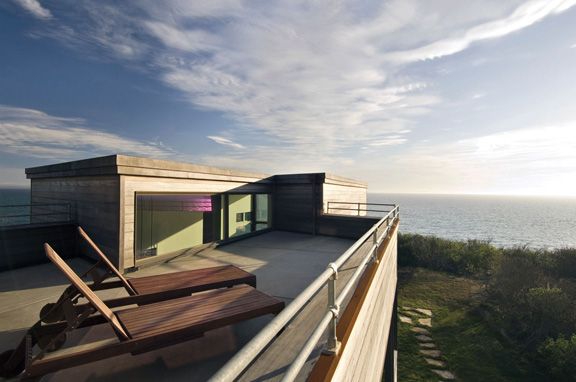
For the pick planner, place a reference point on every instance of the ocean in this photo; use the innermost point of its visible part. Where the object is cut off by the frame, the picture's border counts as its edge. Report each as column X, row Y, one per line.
column 14, row 197
column 537, row 222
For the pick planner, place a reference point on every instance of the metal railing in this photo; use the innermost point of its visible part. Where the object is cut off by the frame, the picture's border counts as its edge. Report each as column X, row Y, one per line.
column 248, row 354
column 358, row 209
column 17, row 214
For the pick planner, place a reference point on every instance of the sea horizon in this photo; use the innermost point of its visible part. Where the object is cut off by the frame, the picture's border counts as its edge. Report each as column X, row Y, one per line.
column 544, row 222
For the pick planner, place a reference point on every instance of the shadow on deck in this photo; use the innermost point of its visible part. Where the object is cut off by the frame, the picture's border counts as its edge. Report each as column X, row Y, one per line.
column 284, row 264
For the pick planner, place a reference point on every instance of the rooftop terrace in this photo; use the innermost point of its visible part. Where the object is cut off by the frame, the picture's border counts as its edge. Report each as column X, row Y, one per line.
column 284, row 264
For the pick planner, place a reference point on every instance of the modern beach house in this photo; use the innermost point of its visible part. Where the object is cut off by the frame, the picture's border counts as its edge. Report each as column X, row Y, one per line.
column 309, row 240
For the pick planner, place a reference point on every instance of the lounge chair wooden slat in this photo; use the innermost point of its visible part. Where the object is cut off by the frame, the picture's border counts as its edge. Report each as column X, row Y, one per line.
column 86, row 292
column 107, row 262
column 193, row 281
column 201, row 312
column 175, row 284
column 147, row 327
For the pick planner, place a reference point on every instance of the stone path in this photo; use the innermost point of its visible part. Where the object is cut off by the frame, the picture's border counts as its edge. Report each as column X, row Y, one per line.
column 419, row 320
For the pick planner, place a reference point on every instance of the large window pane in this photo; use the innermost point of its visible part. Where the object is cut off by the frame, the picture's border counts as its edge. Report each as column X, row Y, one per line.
column 168, row 224
column 262, row 211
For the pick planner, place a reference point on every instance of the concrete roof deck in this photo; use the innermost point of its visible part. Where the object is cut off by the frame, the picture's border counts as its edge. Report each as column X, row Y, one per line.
column 284, row 264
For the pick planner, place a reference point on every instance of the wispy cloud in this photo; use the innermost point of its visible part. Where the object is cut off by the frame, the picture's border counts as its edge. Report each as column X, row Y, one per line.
column 535, row 160
column 30, row 132
column 522, row 17
column 310, row 78
column 35, row 8
column 225, row 141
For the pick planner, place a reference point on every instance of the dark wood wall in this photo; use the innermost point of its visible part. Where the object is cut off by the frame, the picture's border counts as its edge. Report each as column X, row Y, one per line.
column 22, row 246
column 297, row 202
column 349, row 227
column 94, row 205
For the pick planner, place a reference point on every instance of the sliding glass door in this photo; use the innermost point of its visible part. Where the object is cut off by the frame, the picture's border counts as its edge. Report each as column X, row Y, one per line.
column 171, row 223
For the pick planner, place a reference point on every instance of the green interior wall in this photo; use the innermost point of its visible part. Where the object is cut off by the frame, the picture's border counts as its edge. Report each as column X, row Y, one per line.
column 169, row 231
column 238, row 204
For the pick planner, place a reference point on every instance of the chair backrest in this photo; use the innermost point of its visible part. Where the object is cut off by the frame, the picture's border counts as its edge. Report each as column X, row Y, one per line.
column 107, row 262
column 86, row 291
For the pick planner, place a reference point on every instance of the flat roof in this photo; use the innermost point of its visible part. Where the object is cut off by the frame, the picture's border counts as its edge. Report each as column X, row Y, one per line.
column 160, row 168
column 138, row 166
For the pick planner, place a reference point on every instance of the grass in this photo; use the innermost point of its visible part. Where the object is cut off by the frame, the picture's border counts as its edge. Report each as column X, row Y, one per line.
column 470, row 347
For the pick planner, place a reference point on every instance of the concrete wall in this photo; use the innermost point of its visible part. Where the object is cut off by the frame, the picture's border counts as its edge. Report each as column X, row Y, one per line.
column 22, row 246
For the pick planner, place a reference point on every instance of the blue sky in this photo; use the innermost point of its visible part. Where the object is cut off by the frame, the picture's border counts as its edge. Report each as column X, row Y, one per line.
column 439, row 96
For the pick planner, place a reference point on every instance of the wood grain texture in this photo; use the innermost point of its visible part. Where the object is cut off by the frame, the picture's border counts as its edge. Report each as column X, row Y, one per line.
column 94, row 204
column 194, row 280
column 199, row 313
column 362, row 358
column 86, row 292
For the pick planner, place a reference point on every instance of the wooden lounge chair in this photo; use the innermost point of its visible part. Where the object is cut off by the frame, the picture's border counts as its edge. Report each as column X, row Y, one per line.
column 156, row 288
column 138, row 330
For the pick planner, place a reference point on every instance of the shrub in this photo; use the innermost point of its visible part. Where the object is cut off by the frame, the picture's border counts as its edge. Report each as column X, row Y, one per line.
column 563, row 262
column 559, row 357
column 519, row 269
column 458, row 257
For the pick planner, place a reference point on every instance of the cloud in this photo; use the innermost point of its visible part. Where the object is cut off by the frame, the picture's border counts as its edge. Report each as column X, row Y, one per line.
column 34, row 133
column 535, row 160
column 522, row 17
column 35, row 8
column 225, row 141
column 312, row 82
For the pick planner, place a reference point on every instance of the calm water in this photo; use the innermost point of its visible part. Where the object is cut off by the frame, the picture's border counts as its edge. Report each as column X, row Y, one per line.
column 14, row 196
column 14, row 215
column 505, row 221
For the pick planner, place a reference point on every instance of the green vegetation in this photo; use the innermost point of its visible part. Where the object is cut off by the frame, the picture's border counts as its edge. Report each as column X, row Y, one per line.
column 511, row 318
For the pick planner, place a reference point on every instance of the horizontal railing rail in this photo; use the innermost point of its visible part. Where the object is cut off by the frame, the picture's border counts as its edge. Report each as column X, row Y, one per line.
column 357, row 208
column 249, row 353
column 18, row 214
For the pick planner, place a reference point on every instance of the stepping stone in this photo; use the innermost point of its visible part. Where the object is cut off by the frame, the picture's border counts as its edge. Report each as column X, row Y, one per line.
column 423, row 338
column 413, row 314
column 425, row 322
column 427, row 345
column 434, row 362
column 404, row 319
column 407, row 308
column 431, row 353
column 445, row 374
column 420, row 331
column 426, row 312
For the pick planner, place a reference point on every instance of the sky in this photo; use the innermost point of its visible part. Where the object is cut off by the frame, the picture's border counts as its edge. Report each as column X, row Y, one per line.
column 422, row 96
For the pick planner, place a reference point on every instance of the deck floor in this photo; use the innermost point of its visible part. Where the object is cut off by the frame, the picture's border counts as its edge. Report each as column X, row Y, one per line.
column 284, row 264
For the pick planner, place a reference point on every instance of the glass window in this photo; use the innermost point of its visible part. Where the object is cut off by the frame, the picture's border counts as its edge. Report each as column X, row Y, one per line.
column 171, row 223
column 262, row 211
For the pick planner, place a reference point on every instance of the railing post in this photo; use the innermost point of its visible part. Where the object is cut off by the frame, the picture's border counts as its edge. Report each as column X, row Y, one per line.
column 332, row 345
column 375, row 243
